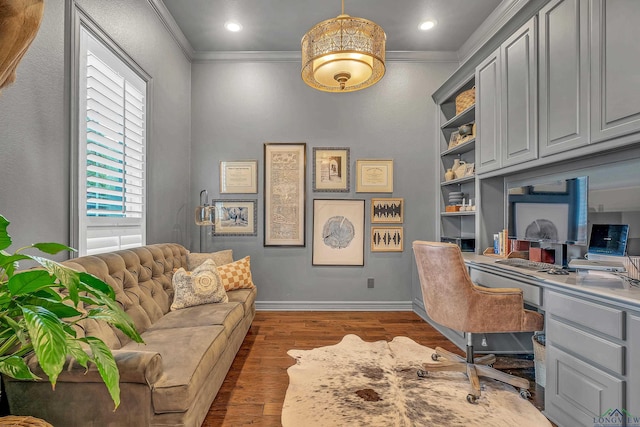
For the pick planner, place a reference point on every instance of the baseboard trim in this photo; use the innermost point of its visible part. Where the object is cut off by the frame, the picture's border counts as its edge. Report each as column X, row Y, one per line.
column 334, row 306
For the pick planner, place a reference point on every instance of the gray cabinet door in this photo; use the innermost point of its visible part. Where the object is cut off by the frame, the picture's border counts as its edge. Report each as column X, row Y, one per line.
column 615, row 57
column 564, row 76
column 633, row 355
column 576, row 392
column 488, row 114
column 519, row 96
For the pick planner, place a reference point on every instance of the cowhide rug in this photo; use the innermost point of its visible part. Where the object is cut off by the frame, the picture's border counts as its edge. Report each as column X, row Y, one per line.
column 358, row 383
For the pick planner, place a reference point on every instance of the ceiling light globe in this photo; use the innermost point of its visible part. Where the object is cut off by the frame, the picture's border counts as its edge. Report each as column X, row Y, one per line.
column 427, row 25
column 234, row 27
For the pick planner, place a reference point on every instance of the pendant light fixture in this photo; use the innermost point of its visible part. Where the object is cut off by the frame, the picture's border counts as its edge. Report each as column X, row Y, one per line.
column 343, row 54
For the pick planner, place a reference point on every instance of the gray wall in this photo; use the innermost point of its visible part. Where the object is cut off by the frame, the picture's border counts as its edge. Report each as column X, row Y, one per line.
column 34, row 136
column 238, row 106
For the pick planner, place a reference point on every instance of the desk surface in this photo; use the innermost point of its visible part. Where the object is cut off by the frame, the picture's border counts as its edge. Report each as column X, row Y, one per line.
column 618, row 293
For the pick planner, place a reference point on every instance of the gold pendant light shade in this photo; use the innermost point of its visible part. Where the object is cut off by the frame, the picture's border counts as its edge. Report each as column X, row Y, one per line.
column 343, row 54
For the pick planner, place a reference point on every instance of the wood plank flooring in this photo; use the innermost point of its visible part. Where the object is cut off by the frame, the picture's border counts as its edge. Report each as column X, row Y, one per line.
column 254, row 389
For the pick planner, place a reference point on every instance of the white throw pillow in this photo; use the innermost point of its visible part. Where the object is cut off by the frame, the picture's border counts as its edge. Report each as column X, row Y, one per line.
column 200, row 286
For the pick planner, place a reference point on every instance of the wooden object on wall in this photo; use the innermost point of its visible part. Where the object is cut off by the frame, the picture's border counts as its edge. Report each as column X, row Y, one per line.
column 19, row 24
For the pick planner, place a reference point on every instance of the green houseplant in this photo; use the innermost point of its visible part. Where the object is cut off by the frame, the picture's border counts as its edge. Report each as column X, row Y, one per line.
column 39, row 307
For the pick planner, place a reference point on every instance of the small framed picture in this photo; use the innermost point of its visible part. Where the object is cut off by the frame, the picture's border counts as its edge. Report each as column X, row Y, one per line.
column 331, row 169
column 387, row 239
column 389, row 210
column 235, row 218
column 338, row 232
column 469, row 169
column 239, row 176
column 454, row 139
column 374, row 176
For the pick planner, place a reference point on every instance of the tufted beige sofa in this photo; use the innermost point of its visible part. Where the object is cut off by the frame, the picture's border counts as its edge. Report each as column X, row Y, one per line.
column 172, row 379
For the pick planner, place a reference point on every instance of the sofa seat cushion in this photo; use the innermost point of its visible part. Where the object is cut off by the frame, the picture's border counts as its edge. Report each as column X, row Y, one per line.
column 228, row 315
column 247, row 297
column 184, row 371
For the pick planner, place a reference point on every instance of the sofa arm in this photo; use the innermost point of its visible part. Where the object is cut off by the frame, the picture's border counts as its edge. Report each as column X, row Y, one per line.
column 144, row 367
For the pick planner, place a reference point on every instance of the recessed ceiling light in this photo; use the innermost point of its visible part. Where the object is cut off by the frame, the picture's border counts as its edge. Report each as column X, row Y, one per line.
column 427, row 25
column 232, row 26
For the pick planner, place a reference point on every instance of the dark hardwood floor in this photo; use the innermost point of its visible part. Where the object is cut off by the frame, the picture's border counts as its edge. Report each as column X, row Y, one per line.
column 254, row 389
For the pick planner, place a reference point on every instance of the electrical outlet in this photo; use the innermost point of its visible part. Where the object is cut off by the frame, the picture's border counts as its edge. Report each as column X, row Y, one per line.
column 370, row 282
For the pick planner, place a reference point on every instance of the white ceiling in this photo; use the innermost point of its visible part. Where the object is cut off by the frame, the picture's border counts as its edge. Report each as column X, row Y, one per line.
column 278, row 25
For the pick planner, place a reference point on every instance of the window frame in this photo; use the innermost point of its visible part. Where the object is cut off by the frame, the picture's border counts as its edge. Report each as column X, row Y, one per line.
column 80, row 21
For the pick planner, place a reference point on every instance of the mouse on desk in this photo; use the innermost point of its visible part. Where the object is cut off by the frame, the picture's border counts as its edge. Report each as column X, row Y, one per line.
column 557, row 271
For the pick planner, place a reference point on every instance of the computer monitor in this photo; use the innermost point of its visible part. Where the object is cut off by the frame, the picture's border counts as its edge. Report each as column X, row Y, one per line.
column 608, row 239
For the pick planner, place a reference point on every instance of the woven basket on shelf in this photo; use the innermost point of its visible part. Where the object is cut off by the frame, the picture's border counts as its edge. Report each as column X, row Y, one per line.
column 20, row 421
column 465, row 100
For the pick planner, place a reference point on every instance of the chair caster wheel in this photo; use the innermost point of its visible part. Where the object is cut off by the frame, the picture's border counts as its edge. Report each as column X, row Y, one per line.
column 524, row 393
column 435, row 357
column 421, row 373
column 471, row 398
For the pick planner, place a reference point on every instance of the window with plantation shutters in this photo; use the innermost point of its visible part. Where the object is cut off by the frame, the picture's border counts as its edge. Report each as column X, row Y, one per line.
column 112, row 150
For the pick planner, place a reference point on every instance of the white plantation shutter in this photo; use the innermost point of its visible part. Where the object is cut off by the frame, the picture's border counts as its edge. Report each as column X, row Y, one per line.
column 112, row 150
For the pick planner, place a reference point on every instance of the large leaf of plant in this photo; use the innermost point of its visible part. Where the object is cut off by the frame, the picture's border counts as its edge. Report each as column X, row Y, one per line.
column 48, row 339
column 15, row 367
column 52, row 248
column 29, row 281
column 115, row 316
column 68, row 278
column 5, row 239
column 107, row 367
column 91, row 283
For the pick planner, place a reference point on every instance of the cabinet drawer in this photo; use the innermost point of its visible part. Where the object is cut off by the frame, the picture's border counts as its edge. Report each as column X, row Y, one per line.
column 605, row 353
column 531, row 293
column 609, row 321
column 576, row 393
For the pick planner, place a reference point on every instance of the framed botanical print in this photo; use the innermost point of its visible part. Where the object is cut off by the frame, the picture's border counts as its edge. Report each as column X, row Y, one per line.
column 235, row 218
column 338, row 232
column 389, row 210
column 239, row 176
column 284, row 193
column 387, row 239
column 331, row 169
column 374, row 176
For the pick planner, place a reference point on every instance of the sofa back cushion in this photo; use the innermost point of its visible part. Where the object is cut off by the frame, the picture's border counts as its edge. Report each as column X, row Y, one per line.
column 141, row 279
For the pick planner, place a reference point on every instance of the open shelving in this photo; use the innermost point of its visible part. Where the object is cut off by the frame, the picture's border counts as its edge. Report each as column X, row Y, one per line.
column 456, row 226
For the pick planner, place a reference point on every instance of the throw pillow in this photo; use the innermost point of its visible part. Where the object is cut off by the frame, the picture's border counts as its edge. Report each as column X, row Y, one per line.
column 220, row 258
column 236, row 275
column 200, row 286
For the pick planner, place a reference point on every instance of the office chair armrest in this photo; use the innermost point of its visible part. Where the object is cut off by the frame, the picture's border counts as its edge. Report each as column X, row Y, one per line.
column 496, row 310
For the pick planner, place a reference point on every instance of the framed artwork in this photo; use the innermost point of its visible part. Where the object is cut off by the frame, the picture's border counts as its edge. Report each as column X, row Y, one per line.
column 235, row 218
column 387, row 239
column 374, row 176
column 284, row 193
column 331, row 169
column 239, row 176
column 387, row 210
column 542, row 221
column 338, row 232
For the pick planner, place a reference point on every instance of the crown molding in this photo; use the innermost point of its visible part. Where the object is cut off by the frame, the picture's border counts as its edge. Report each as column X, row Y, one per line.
column 496, row 20
column 172, row 27
column 296, row 56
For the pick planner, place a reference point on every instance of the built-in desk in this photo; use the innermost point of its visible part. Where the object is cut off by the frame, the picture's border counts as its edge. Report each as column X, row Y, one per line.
column 593, row 337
